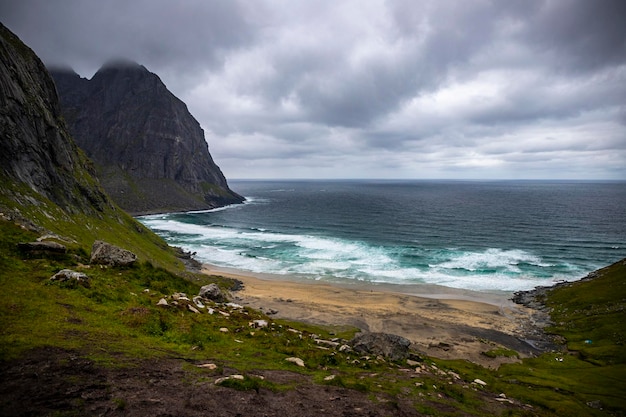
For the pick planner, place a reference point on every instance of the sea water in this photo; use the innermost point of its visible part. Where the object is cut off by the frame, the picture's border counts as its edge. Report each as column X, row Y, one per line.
column 483, row 236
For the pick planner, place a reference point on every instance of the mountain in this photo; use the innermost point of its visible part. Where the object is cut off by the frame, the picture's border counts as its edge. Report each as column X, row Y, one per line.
column 36, row 152
column 150, row 152
column 47, row 183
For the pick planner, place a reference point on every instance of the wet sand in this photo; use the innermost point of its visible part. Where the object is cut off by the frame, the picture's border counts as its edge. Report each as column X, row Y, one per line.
column 440, row 322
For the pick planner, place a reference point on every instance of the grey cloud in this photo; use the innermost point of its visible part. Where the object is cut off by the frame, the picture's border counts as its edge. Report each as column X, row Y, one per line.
column 581, row 35
column 181, row 36
column 418, row 85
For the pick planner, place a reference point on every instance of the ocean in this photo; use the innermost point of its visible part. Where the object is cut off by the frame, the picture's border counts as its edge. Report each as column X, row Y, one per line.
column 490, row 236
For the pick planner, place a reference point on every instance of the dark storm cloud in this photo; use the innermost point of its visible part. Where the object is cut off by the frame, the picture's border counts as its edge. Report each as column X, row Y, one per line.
column 180, row 35
column 377, row 88
column 585, row 35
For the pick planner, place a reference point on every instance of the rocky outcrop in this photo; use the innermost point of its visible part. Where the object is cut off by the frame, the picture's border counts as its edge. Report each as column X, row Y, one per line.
column 391, row 346
column 68, row 275
column 212, row 292
column 104, row 253
column 150, row 152
column 37, row 155
column 42, row 247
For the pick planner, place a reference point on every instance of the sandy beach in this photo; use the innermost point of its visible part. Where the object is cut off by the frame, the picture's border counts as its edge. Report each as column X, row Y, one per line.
column 440, row 322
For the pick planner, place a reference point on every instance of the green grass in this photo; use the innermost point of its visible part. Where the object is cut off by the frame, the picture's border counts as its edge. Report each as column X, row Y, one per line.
column 79, row 230
column 115, row 322
column 501, row 352
column 590, row 315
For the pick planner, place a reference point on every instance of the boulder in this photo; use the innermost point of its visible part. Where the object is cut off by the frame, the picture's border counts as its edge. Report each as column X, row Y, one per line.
column 297, row 361
column 212, row 292
column 42, row 247
column 65, row 275
column 226, row 378
column 258, row 324
column 390, row 346
column 104, row 253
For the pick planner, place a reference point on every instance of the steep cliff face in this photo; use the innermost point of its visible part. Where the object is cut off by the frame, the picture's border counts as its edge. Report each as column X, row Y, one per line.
column 37, row 155
column 47, row 183
column 149, row 150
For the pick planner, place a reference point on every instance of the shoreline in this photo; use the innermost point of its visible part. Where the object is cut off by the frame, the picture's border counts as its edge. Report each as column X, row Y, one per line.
column 440, row 322
column 423, row 290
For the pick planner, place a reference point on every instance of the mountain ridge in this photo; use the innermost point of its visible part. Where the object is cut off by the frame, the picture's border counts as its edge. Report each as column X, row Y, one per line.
column 37, row 151
column 150, row 152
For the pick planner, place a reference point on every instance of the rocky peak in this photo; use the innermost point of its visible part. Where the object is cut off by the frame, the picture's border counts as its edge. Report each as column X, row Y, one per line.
column 150, row 152
column 36, row 151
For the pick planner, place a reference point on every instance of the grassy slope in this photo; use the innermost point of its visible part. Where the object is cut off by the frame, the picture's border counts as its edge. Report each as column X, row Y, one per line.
column 81, row 230
column 588, row 378
column 114, row 322
column 590, row 315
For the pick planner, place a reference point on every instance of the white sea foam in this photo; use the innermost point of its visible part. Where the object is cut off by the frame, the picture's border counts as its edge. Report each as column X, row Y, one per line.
column 490, row 259
column 263, row 251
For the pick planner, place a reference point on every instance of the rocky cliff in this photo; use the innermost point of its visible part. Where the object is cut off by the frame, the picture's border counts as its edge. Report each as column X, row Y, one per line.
column 150, row 152
column 37, row 156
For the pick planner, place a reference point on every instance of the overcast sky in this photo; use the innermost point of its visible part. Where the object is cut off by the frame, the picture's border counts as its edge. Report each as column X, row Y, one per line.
column 367, row 88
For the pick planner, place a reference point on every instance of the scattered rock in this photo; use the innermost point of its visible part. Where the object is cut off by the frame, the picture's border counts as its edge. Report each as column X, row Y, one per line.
column 104, row 253
column 391, row 346
column 297, row 361
column 329, row 377
column 454, row 375
column 212, row 292
column 188, row 259
column 197, row 300
column 218, row 381
column 258, row 324
column 480, row 382
column 163, row 302
column 210, row 366
column 326, row 342
column 192, row 309
column 504, row 400
column 596, row 405
column 69, row 275
column 237, row 285
column 224, row 329
column 180, row 296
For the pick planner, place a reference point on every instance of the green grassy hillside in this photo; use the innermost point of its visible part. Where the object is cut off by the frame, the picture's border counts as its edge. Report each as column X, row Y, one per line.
column 115, row 321
column 588, row 377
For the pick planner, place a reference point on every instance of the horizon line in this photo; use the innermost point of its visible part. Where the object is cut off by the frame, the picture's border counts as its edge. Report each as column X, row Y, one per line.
column 432, row 179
